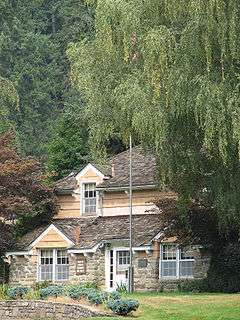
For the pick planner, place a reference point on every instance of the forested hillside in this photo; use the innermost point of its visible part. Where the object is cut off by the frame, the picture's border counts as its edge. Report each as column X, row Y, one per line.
column 34, row 69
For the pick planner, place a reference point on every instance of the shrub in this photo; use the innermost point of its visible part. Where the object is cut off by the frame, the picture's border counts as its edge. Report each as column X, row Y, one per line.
column 115, row 295
column 191, row 285
column 32, row 295
column 3, row 292
column 42, row 285
column 17, row 292
column 51, row 291
column 91, row 285
column 123, row 307
column 96, row 297
column 122, row 288
column 76, row 292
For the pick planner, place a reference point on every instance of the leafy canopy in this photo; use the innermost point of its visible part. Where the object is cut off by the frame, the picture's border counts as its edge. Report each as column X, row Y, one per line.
column 168, row 72
column 23, row 197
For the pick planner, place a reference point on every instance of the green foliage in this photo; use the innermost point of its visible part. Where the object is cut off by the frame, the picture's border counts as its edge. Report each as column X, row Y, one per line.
column 17, row 292
column 3, row 292
column 168, row 73
column 76, row 292
column 51, row 291
column 68, row 149
column 42, row 285
column 123, row 307
column 32, row 295
column 115, row 295
column 95, row 296
column 33, row 38
column 91, row 293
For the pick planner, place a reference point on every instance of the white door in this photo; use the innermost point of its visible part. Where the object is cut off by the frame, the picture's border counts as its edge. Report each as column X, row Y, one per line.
column 118, row 260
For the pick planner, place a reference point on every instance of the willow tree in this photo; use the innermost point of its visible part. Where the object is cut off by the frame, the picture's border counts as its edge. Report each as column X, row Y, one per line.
column 168, row 72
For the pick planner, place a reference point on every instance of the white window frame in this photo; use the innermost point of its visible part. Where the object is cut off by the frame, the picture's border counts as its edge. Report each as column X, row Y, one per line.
column 178, row 260
column 54, row 265
column 83, row 213
column 123, row 266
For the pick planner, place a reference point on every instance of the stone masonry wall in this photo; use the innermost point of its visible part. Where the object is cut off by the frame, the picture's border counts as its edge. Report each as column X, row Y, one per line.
column 23, row 270
column 18, row 310
column 90, row 268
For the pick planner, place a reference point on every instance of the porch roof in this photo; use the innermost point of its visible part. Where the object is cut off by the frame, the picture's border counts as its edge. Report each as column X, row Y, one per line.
column 101, row 229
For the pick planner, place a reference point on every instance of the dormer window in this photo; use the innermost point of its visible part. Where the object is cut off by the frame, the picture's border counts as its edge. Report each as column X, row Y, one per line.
column 89, row 198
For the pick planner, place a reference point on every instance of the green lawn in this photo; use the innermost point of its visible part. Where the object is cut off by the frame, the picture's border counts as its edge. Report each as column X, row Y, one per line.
column 176, row 306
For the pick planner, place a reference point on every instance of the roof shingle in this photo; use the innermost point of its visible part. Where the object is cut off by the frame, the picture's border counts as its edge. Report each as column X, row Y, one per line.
column 96, row 230
column 143, row 172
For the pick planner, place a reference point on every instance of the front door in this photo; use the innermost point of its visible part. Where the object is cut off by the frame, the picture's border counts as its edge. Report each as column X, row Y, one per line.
column 117, row 268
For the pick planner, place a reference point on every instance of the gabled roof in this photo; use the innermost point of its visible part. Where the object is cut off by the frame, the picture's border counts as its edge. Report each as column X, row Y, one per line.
column 101, row 229
column 117, row 172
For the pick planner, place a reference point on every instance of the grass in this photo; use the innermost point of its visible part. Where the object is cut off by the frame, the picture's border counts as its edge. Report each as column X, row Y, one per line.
column 177, row 306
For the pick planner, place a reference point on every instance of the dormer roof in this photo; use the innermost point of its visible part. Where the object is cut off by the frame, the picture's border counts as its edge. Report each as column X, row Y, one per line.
column 116, row 172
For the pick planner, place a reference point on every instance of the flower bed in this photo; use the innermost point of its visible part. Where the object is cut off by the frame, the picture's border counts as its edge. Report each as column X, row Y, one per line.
column 88, row 295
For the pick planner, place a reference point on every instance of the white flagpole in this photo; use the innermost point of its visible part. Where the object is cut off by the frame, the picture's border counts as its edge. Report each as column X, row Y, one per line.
column 130, row 273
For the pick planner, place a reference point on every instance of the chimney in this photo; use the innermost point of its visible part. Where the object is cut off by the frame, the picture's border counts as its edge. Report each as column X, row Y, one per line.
column 113, row 170
column 77, row 234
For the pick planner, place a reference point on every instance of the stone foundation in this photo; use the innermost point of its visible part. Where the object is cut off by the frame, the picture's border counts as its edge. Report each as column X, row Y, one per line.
column 19, row 310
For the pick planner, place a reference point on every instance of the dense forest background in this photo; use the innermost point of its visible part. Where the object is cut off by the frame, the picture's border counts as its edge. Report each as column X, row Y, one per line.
column 37, row 100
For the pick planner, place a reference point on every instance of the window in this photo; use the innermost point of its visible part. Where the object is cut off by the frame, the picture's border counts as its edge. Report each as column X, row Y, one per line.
column 123, row 259
column 46, row 265
column 175, row 262
column 53, row 265
column 89, row 198
column 62, row 266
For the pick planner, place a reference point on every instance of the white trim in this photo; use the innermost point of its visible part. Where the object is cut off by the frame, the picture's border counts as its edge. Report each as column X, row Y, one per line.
column 51, row 227
column 107, row 269
column 18, row 253
column 88, row 250
column 144, row 248
column 126, row 188
column 178, row 260
column 82, row 213
column 85, row 169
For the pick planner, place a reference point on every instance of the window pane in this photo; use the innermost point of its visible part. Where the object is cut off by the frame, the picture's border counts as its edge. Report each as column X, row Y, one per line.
column 123, row 258
column 62, row 272
column 187, row 253
column 169, row 252
column 186, row 268
column 89, row 200
column 169, row 268
column 45, row 272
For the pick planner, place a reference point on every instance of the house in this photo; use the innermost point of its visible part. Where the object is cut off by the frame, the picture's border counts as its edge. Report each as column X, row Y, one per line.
column 88, row 240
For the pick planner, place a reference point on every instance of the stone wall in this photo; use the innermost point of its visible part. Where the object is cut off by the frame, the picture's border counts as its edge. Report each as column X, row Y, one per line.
column 89, row 268
column 23, row 270
column 19, row 310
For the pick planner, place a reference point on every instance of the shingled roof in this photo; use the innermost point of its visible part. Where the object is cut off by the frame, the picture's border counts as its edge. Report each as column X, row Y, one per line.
column 101, row 229
column 143, row 170
column 117, row 171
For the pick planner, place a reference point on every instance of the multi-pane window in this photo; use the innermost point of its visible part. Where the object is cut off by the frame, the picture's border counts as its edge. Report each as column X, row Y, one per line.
column 123, row 259
column 89, row 198
column 62, row 266
column 53, row 265
column 186, row 262
column 175, row 262
column 46, row 265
